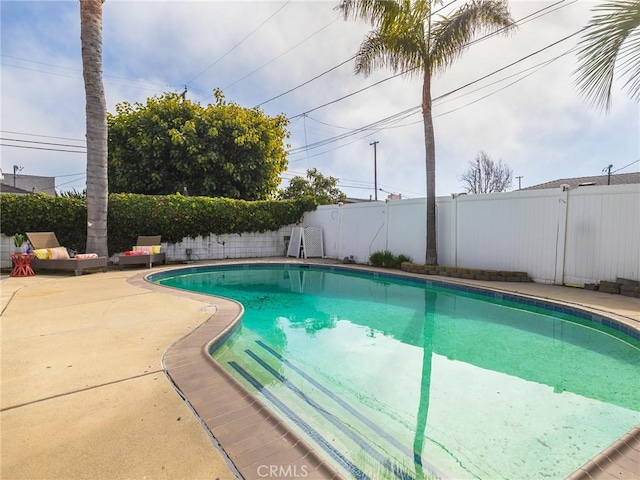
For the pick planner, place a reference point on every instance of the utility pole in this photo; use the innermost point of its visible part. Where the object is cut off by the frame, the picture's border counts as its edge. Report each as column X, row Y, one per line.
column 16, row 169
column 375, row 167
column 519, row 183
column 608, row 170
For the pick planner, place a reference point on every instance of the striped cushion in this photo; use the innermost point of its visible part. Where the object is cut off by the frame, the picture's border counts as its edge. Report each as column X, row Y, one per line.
column 147, row 248
column 84, row 256
column 58, row 253
column 41, row 253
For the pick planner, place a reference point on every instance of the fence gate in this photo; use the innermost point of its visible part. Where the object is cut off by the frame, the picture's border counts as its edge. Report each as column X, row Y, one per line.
column 306, row 242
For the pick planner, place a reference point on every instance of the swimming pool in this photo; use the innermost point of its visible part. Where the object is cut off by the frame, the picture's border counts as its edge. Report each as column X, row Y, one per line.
column 372, row 369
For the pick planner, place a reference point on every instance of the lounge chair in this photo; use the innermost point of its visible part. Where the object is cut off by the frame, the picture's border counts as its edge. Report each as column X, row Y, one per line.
column 147, row 258
column 48, row 241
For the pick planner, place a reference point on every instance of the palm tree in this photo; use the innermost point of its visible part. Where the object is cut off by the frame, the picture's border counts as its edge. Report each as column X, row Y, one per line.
column 612, row 37
column 96, row 111
column 407, row 39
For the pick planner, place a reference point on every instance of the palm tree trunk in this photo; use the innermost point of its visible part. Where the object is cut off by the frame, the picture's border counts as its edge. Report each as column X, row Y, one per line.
column 96, row 111
column 428, row 330
column 430, row 160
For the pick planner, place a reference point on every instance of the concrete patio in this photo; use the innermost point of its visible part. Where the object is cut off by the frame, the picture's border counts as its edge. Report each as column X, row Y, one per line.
column 83, row 390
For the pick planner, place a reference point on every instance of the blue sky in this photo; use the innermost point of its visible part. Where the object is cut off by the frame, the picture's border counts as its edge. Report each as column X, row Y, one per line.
column 257, row 50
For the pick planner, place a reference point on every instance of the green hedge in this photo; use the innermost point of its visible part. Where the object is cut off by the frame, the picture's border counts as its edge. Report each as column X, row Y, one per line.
column 173, row 216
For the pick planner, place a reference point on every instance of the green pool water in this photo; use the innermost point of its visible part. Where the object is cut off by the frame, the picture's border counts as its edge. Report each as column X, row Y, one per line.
column 392, row 379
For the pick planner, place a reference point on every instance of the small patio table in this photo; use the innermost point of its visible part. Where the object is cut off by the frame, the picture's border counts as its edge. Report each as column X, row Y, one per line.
column 22, row 265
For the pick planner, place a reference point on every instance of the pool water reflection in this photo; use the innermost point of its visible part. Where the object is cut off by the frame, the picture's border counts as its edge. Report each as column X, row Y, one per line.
column 392, row 379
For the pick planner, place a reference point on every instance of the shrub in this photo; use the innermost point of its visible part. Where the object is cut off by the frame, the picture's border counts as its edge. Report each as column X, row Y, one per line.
column 387, row 259
column 400, row 259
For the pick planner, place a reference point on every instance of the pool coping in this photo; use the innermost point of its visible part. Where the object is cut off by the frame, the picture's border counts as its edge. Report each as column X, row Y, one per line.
column 253, row 437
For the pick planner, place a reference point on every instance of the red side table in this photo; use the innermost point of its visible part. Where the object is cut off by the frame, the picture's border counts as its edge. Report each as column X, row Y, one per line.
column 22, row 265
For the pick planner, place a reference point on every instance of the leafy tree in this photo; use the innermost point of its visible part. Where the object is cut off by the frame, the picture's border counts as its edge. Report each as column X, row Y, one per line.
column 612, row 37
column 322, row 189
column 96, row 108
column 486, row 176
column 406, row 38
column 221, row 150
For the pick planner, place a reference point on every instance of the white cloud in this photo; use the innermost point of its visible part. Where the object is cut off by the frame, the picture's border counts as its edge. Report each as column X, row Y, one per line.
column 539, row 126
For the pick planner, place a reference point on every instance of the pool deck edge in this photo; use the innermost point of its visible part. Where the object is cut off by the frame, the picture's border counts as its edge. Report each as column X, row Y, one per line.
column 620, row 460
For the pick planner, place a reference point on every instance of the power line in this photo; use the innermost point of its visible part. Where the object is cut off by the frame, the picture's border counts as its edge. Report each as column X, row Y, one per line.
column 283, row 53
column 239, row 43
column 77, row 70
column 328, row 124
column 305, row 137
column 76, row 77
column 358, row 130
column 414, row 109
column 375, row 127
column 316, row 129
column 518, row 22
column 514, row 63
column 41, row 143
column 43, row 136
column 622, row 168
column 350, row 94
column 71, row 181
column 41, row 148
column 79, row 77
column 452, row 91
column 526, row 19
column 336, row 148
column 328, row 71
column 352, row 184
column 307, row 82
column 370, row 186
column 537, row 68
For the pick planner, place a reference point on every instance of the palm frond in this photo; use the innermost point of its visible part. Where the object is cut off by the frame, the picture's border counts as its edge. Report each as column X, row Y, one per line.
column 371, row 11
column 451, row 35
column 629, row 57
column 397, row 42
column 399, row 53
column 611, row 36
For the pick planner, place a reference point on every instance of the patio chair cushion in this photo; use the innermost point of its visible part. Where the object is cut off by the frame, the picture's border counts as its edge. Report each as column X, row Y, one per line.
column 41, row 253
column 58, row 253
column 147, row 248
column 84, row 256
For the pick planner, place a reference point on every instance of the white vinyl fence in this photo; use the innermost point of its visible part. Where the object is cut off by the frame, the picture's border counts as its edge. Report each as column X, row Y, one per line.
column 557, row 236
